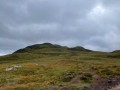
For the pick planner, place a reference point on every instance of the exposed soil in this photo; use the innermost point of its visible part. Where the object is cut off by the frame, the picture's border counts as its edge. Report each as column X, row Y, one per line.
column 116, row 88
column 101, row 83
column 98, row 83
column 75, row 80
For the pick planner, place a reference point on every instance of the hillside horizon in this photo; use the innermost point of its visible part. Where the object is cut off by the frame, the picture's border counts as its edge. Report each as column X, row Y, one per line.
column 58, row 45
column 50, row 45
column 42, row 65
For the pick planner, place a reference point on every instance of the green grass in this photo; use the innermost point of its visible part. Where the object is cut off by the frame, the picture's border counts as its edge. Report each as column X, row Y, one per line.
column 46, row 66
column 84, row 85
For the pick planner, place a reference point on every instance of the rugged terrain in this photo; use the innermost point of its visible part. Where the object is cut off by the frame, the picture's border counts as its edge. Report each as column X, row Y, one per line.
column 54, row 67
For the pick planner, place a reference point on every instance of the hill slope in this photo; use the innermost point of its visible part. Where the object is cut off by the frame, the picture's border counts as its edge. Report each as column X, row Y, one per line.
column 49, row 46
column 48, row 66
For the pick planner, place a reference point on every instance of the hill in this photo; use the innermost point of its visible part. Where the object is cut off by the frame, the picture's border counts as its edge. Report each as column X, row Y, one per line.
column 49, row 46
column 53, row 67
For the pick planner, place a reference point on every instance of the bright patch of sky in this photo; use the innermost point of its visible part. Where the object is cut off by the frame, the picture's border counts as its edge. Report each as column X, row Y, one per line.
column 97, row 12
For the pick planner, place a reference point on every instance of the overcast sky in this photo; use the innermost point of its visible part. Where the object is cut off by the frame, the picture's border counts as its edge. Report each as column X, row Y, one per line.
column 93, row 24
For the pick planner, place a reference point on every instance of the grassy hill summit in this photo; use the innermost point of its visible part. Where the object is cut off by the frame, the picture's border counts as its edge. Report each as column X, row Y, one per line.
column 53, row 67
column 49, row 46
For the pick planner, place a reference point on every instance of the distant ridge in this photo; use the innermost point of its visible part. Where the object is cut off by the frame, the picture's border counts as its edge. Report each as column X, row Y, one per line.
column 116, row 51
column 50, row 46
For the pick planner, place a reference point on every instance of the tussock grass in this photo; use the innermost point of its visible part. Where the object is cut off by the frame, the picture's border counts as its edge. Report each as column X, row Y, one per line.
column 49, row 66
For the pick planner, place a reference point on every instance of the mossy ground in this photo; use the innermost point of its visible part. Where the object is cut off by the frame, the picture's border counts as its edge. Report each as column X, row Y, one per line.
column 46, row 68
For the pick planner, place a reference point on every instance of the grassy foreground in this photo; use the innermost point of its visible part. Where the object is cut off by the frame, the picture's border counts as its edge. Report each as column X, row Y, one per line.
column 48, row 66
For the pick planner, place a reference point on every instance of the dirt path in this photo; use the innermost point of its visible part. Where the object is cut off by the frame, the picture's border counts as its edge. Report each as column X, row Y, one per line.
column 101, row 83
column 75, row 80
column 98, row 83
column 116, row 88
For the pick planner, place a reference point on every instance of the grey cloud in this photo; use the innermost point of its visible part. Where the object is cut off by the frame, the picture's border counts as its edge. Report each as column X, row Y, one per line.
column 93, row 24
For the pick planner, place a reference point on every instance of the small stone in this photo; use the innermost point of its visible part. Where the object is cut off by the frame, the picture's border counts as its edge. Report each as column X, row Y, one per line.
column 17, row 66
column 9, row 69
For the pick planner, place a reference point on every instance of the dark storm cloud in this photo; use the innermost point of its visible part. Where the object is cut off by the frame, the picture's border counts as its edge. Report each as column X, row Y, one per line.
column 93, row 24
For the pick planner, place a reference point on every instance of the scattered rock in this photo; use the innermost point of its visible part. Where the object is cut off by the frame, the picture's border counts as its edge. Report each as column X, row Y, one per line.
column 9, row 69
column 13, row 67
column 17, row 66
